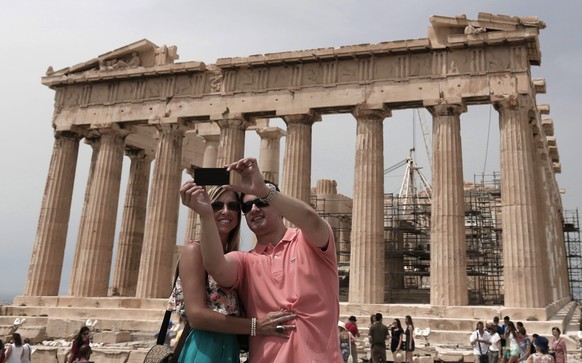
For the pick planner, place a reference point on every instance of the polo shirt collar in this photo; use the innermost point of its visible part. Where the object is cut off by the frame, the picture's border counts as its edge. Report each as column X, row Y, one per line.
column 262, row 248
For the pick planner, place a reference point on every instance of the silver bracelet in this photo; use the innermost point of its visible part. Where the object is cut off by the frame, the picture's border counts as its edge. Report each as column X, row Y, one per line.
column 272, row 191
column 253, row 327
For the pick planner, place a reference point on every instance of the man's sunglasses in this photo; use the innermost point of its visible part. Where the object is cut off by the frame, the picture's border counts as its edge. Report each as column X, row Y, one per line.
column 247, row 206
column 233, row 206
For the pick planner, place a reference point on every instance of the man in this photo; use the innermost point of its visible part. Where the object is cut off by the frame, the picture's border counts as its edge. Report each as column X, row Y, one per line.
column 480, row 340
column 378, row 333
column 291, row 269
column 352, row 327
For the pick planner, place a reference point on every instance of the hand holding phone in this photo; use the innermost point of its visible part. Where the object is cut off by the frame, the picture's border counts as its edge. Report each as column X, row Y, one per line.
column 211, row 176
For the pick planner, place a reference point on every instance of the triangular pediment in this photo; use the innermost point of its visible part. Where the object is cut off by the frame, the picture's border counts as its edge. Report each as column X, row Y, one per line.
column 141, row 53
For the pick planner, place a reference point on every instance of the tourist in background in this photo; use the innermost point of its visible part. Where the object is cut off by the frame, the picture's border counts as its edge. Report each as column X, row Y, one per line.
column 85, row 354
column 480, row 342
column 14, row 350
column 289, row 268
column 559, row 346
column 524, row 342
column 352, row 327
column 213, row 316
column 378, row 334
column 542, row 351
column 26, row 351
column 2, row 351
column 409, row 334
column 82, row 338
column 396, row 333
column 511, row 343
column 345, row 341
column 494, row 354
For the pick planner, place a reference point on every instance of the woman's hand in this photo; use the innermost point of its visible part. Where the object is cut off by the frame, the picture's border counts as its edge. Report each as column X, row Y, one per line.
column 272, row 324
column 195, row 197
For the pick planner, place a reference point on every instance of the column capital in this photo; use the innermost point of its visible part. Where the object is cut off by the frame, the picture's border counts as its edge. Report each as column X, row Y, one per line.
column 134, row 153
column 71, row 134
column 365, row 110
column 271, row 132
column 111, row 128
column 234, row 123
column 445, row 107
column 512, row 101
column 302, row 118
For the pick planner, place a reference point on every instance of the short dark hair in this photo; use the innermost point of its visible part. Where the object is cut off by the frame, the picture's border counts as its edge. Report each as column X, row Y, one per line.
column 378, row 316
column 85, row 351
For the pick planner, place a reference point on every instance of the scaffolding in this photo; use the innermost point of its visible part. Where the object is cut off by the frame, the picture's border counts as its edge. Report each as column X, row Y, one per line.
column 483, row 234
column 574, row 252
column 407, row 243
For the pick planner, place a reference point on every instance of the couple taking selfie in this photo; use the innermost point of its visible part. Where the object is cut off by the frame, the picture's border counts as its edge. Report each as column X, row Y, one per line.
column 287, row 284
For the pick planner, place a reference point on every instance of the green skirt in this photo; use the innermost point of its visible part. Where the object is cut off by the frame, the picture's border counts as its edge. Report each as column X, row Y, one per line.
column 209, row 347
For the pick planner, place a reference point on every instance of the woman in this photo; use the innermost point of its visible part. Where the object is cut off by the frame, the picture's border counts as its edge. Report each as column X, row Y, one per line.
column 82, row 338
column 409, row 333
column 494, row 352
column 511, row 338
column 396, row 337
column 213, row 316
column 541, row 355
column 559, row 346
column 346, row 338
column 14, row 351
column 26, row 351
column 524, row 344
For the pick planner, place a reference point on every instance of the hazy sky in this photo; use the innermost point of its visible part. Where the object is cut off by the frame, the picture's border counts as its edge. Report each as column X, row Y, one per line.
column 37, row 34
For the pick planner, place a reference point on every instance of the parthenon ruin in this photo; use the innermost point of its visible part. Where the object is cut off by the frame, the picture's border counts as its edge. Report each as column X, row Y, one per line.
column 140, row 102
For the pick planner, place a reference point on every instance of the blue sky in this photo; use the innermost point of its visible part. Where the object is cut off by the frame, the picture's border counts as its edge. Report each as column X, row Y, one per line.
column 38, row 34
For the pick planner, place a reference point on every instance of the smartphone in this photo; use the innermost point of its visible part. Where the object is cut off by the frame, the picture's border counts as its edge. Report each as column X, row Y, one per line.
column 211, row 176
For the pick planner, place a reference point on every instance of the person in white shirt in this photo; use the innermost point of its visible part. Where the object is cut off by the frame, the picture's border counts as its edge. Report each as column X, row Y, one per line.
column 480, row 342
column 495, row 347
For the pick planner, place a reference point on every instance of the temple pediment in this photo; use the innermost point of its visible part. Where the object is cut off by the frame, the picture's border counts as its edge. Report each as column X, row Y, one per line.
column 137, row 55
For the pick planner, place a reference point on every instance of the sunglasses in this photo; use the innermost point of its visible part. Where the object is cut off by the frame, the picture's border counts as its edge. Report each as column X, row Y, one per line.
column 247, row 206
column 233, row 206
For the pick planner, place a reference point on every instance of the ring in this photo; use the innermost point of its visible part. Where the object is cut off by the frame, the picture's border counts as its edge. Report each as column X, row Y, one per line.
column 280, row 329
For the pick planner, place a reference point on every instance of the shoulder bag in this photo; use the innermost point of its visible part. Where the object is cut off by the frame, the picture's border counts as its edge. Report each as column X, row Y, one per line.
column 159, row 353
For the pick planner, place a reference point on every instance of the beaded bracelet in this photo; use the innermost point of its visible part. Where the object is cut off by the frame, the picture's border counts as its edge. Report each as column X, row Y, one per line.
column 253, row 327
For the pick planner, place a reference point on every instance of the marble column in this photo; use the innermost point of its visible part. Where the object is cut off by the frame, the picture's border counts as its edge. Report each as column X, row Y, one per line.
column 44, row 272
column 269, row 153
column 91, row 268
column 156, row 264
column 208, row 161
column 95, row 142
column 448, row 250
column 545, row 231
column 210, row 151
column 327, row 206
column 522, row 257
column 367, row 235
column 132, row 225
column 296, row 180
column 232, row 140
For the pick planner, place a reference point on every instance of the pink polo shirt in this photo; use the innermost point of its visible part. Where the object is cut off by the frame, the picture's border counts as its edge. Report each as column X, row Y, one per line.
column 299, row 278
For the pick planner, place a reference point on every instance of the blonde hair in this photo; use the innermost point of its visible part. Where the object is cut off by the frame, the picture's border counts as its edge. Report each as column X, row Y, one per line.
column 234, row 237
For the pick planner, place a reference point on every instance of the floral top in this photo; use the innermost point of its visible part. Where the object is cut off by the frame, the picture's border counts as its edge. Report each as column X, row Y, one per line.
column 224, row 302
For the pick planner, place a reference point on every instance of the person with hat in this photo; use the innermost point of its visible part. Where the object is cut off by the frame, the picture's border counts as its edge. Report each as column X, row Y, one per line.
column 542, row 351
column 352, row 327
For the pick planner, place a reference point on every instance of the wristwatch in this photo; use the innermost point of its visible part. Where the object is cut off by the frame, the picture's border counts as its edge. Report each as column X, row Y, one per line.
column 272, row 191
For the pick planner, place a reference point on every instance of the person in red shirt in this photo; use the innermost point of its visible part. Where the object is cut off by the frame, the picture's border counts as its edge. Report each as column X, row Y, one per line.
column 290, row 269
column 352, row 327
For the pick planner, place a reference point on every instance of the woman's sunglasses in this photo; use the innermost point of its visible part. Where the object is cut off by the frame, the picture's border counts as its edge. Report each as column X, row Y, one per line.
column 233, row 206
column 247, row 206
